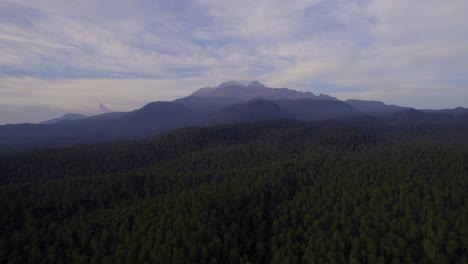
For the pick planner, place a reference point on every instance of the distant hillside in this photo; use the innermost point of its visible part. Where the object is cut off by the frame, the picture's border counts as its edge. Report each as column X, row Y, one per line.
column 311, row 109
column 254, row 110
column 459, row 111
column 374, row 107
column 205, row 104
column 153, row 118
column 63, row 118
column 413, row 116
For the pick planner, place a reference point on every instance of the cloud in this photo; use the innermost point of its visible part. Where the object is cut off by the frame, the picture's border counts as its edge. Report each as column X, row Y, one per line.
column 254, row 20
column 71, row 54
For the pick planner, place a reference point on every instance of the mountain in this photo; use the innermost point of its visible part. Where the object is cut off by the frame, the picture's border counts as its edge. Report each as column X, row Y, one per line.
column 253, row 110
column 67, row 117
column 151, row 119
column 255, row 89
column 228, row 103
column 312, row 109
column 374, row 107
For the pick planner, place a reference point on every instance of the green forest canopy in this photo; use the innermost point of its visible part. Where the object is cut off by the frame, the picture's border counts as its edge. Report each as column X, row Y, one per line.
column 268, row 192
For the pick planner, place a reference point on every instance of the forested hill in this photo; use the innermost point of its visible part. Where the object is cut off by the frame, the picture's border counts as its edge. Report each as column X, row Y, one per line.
column 359, row 191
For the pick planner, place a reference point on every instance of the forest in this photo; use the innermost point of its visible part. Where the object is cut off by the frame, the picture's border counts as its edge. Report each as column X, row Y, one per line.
column 265, row 192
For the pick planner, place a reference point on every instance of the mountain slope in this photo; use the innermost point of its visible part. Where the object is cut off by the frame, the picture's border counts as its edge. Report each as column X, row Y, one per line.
column 458, row 111
column 374, row 107
column 254, row 110
column 151, row 119
column 67, row 117
column 205, row 104
column 310, row 109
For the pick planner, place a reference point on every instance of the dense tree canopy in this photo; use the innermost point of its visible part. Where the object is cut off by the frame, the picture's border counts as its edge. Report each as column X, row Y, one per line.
column 272, row 192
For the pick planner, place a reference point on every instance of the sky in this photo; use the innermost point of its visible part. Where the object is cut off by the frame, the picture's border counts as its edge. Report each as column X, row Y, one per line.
column 71, row 56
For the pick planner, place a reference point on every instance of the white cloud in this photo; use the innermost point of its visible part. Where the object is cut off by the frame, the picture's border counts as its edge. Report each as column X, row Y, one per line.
column 257, row 19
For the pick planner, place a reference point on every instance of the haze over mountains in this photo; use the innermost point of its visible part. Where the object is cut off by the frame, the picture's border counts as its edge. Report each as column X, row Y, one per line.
column 228, row 103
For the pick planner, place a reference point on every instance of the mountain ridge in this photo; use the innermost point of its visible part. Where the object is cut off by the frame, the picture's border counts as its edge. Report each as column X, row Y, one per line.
column 255, row 89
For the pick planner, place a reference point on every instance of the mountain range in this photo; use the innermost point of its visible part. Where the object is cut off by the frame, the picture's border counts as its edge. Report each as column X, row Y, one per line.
column 228, row 103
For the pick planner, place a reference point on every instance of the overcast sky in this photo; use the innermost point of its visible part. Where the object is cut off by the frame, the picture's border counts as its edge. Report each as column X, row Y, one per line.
column 61, row 56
